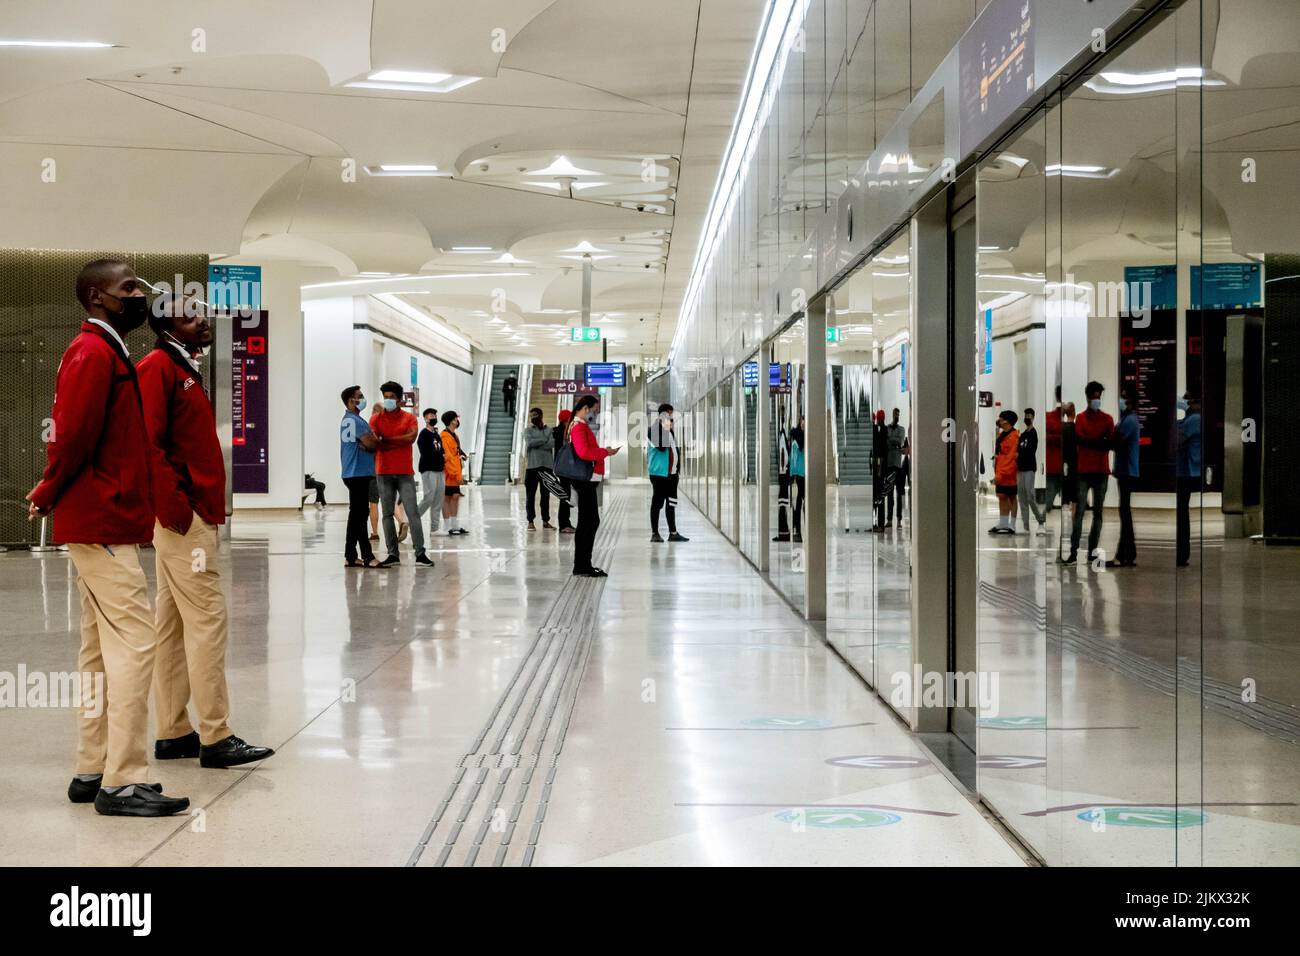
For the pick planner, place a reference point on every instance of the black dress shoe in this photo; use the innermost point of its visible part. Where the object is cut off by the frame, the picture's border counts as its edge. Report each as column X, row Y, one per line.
column 231, row 752
column 144, row 801
column 678, row 537
column 83, row 791
column 177, row 747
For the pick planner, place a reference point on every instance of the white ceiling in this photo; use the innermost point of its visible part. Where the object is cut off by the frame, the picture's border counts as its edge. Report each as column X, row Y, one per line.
column 224, row 127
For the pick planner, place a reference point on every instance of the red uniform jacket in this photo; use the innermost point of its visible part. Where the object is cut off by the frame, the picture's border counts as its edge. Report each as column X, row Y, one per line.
column 97, row 459
column 189, row 470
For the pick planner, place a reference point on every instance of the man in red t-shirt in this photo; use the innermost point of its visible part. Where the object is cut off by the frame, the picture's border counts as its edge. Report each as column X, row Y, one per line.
column 189, row 494
column 397, row 431
column 1094, row 434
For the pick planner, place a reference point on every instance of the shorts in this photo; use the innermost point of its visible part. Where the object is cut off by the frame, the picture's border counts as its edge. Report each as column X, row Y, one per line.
column 1007, row 490
column 451, row 491
column 374, row 490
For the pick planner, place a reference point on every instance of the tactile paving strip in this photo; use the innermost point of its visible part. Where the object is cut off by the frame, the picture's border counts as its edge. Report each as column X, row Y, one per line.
column 493, row 810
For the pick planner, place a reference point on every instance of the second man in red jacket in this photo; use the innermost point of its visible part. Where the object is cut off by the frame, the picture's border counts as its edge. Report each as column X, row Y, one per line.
column 189, row 492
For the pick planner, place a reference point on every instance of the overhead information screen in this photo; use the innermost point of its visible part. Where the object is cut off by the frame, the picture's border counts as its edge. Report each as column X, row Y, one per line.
column 997, row 67
column 605, row 374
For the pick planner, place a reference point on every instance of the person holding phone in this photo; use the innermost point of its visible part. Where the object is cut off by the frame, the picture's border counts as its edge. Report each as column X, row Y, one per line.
column 586, row 449
column 357, row 444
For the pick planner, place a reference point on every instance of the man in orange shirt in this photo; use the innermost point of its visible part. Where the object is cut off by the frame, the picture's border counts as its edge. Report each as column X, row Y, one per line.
column 395, row 470
column 452, row 472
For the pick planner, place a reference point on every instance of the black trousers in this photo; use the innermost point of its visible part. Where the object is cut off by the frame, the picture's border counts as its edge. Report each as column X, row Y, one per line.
column 533, row 481
column 565, row 507
column 318, row 486
column 358, row 533
column 1096, row 484
column 588, row 521
column 784, row 483
column 1187, row 486
column 1127, row 551
column 665, row 498
column 509, row 398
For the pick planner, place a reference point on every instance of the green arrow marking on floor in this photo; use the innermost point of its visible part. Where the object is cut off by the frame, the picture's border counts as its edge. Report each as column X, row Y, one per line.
column 786, row 723
column 1027, row 722
column 1160, row 818
column 837, row 817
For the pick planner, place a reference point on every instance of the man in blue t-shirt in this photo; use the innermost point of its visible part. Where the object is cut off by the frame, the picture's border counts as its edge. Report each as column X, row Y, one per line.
column 1189, row 473
column 1128, row 436
column 357, row 446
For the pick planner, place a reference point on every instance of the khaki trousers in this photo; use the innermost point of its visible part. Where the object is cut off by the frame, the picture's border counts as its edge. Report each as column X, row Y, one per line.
column 191, row 625
column 118, row 641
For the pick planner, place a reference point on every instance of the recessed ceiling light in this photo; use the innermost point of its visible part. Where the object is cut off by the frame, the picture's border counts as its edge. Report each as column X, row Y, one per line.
column 413, row 81
column 562, row 167
column 471, row 248
column 405, row 169
column 421, row 278
column 373, row 274
column 60, row 44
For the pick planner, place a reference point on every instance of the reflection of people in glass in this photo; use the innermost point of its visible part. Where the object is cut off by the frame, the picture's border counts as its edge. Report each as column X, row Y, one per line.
column 1055, row 459
column 896, row 437
column 880, row 489
column 1027, row 474
column 790, row 471
column 1006, row 455
column 1189, row 473
column 1094, row 433
column 1127, row 436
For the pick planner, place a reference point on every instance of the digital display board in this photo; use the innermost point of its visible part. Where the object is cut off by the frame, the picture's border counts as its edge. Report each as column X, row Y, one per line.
column 605, row 374
column 997, row 68
column 751, row 374
column 1227, row 285
column 250, row 395
column 775, row 374
column 1148, row 364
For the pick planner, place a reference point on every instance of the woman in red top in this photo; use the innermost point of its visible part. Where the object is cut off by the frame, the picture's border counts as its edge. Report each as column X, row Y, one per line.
column 1007, row 446
column 586, row 448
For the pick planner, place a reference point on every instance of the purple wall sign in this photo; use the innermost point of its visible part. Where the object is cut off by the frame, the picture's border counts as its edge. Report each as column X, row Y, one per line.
column 250, row 403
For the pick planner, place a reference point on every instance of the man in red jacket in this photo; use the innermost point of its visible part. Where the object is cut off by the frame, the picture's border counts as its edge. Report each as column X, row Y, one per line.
column 96, row 482
column 189, row 494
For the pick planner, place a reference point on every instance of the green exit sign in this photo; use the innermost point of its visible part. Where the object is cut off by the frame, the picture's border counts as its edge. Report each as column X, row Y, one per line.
column 832, row 334
column 580, row 334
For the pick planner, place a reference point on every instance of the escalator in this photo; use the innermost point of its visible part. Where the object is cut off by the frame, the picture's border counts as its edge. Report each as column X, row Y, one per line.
column 500, row 432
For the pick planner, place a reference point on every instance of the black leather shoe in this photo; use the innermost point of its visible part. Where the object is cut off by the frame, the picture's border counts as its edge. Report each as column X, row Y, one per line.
column 678, row 537
column 143, row 802
column 83, row 791
column 231, row 752
column 177, row 747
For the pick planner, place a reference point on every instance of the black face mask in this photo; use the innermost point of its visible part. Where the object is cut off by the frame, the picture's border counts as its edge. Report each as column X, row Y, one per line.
column 134, row 311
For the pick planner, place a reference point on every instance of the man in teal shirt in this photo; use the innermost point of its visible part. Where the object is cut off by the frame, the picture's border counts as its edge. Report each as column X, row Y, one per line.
column 357, row 457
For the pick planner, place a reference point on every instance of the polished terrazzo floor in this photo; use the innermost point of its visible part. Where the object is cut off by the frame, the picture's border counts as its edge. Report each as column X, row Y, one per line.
column 704, row 724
